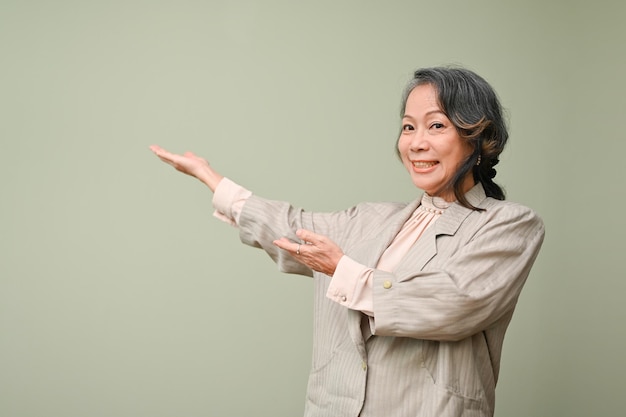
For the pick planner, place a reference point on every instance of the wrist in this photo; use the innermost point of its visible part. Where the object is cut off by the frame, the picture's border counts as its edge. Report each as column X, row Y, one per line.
column 210, row 178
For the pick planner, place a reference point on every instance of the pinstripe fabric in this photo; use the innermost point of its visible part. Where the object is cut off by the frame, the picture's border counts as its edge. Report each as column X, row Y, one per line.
column 440, row 317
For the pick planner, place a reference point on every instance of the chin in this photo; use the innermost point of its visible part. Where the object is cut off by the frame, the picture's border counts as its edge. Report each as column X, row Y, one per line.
column 426, row 189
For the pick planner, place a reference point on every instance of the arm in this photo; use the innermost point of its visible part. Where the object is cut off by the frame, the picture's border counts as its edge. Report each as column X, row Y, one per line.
column 468, row 286
column 320, row 254
column 267, row 224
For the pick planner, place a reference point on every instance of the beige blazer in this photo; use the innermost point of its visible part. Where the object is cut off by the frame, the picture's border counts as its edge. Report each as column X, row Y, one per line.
column 439, row 317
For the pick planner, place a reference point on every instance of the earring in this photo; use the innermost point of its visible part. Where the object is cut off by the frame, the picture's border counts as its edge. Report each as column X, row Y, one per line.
column 479, row 159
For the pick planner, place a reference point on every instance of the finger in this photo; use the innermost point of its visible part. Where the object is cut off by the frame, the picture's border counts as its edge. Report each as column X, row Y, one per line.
column 286, row 244
column 168, row 159
column 308, row 236
column 294, row 248
column 173, row 159
column 158, row 150
column 161, row 153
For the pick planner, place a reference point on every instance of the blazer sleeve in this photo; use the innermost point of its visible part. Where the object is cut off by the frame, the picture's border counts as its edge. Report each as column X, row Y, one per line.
column 262, row 221
column 473, row 281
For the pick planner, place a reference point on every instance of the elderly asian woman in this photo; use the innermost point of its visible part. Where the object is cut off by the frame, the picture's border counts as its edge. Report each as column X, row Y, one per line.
column 412, row 300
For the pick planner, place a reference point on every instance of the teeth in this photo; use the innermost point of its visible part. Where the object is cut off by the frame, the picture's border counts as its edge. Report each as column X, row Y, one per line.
column 420, row 164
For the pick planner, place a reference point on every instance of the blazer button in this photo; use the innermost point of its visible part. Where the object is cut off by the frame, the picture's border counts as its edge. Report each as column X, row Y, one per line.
column 387, row 285
column 343, row 298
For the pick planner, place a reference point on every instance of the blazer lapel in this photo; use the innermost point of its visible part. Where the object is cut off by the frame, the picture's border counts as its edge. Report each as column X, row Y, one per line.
column 455, row 215
column 448, row 224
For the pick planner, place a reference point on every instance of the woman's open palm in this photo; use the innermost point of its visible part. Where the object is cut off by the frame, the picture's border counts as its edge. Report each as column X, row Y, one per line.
column 190, row 164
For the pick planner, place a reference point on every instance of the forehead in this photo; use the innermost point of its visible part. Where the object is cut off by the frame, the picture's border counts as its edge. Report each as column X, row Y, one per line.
column 422, row 99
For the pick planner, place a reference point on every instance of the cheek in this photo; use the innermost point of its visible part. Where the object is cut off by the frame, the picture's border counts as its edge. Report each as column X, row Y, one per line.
column 401, row 150
column 459, row 152
column 402, row 146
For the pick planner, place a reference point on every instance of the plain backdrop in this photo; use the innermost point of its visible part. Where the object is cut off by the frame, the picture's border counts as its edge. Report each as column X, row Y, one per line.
column 121, row 295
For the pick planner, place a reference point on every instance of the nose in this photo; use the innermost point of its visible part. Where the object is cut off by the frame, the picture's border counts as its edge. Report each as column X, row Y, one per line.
column 419, row 141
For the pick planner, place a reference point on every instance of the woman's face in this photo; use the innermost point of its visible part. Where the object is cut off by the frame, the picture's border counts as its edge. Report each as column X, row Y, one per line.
column 429, row 145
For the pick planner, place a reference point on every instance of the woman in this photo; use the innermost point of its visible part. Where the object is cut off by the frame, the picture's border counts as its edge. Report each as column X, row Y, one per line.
column 411, row 300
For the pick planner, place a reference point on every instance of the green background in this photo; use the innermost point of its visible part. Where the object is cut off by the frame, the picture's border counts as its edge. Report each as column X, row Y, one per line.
column 121, row 296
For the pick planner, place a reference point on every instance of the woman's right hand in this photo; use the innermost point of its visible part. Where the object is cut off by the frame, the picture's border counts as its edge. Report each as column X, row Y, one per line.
column 190, row 164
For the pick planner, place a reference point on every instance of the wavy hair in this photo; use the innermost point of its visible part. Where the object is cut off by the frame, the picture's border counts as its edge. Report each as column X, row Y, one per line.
column 473, row 107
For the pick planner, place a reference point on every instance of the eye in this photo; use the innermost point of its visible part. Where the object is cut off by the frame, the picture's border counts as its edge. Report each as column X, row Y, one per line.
column 407, row 127
column 437, row 125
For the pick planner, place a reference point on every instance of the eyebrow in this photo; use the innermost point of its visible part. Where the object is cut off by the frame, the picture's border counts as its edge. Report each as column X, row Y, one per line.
column 428, row 113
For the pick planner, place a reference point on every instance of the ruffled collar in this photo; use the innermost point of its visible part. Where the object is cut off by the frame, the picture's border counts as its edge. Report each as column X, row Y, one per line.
column 436, row 205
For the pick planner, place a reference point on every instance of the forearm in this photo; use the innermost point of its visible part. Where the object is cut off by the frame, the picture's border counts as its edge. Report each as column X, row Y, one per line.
column 264, row 221
column 209, row 177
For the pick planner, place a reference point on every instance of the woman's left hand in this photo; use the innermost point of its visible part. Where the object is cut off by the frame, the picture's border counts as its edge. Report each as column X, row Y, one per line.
column 316, row 251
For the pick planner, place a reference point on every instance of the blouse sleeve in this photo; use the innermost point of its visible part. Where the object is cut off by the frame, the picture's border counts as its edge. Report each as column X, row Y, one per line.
column 351, row 286
column 228, row 201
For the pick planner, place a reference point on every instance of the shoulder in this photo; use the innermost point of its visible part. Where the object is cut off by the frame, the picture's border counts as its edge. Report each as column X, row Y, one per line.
column 509, row 209
column 516, row 217
column 498, row 210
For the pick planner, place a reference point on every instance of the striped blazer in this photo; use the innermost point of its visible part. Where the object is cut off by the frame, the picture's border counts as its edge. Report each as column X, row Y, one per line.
column 439, row 317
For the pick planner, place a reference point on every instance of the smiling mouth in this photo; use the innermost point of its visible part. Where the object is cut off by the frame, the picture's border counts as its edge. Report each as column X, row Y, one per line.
column 423, row 164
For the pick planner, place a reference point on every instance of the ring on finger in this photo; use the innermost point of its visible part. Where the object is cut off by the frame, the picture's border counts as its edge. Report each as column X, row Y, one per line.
column 298, row 250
